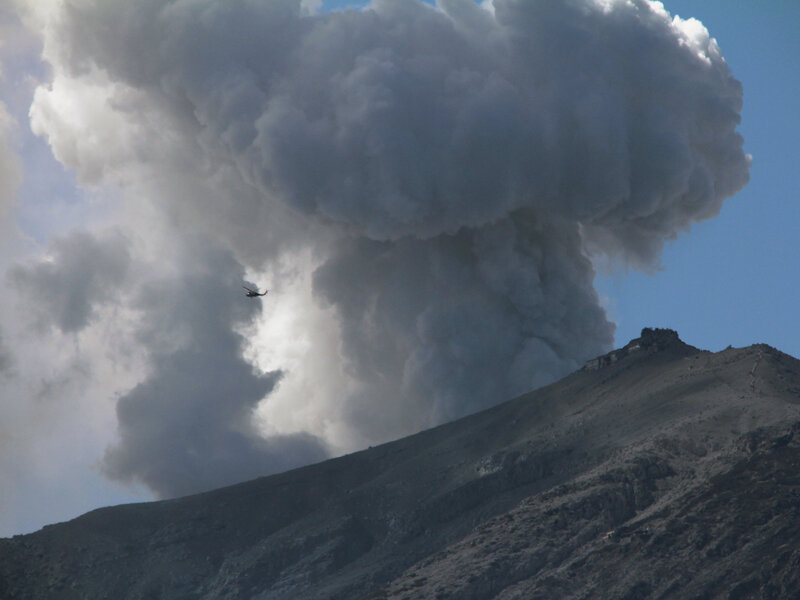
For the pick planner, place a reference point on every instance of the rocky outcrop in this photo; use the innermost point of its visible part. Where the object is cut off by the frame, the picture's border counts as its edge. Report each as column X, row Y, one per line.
column 649, row 342
column 668, row 473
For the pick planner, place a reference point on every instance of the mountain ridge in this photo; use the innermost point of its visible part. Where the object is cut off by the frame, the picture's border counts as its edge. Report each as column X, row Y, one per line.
column 499, row 504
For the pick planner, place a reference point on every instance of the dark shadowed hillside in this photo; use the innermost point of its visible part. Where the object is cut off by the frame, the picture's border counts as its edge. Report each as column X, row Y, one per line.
column 657, row 471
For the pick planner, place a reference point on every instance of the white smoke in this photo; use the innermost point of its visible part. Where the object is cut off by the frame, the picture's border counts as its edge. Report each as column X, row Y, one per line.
column 189, row 425
column 424, row 183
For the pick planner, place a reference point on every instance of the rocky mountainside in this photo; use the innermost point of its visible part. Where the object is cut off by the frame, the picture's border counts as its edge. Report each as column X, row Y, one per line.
column 656, row 471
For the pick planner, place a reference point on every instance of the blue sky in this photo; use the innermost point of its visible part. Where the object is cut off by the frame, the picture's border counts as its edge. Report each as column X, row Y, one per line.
column 735, row 279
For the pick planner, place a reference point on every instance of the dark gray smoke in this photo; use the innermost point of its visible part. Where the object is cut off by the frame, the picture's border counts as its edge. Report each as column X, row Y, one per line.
column 6, row 360
column 188, row 426
column 449, row 168
column 460, row 321
column 81, row 272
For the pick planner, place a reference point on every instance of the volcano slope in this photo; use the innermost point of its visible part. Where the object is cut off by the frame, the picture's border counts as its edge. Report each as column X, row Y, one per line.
column 657, row 471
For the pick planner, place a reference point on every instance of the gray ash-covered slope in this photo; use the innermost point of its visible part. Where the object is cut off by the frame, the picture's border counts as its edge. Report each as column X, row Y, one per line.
column 657, row 471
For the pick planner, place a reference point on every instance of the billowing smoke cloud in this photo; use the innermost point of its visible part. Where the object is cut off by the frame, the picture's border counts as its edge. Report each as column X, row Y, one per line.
column 10, row 171
column 188, row 426
column 81, row 272
column 449, row 168
column 10, row 179
column 456, row 322
column 5, row 357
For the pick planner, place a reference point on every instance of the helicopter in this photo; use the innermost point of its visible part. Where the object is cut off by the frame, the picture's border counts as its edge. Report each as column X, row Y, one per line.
column 253, row 293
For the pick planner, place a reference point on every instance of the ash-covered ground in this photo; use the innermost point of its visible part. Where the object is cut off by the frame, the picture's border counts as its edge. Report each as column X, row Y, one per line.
column 657, row 471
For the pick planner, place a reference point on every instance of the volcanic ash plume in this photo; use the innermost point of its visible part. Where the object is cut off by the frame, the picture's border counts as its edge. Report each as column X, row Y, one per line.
column 448, row 167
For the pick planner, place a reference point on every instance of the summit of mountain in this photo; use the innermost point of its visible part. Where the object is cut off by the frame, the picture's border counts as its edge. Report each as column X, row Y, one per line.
column 655, row 471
